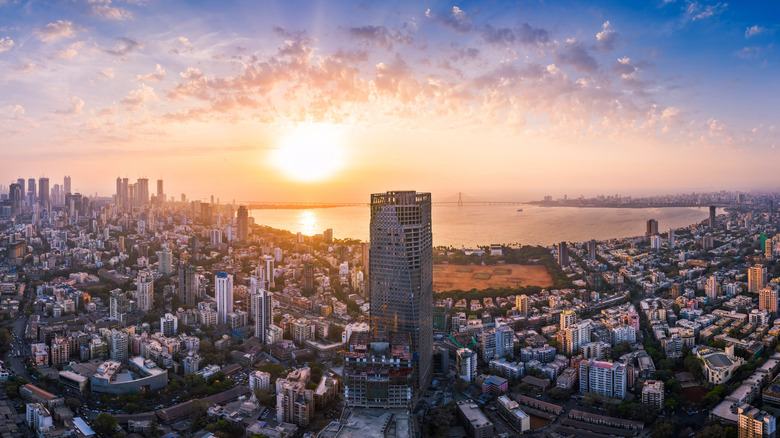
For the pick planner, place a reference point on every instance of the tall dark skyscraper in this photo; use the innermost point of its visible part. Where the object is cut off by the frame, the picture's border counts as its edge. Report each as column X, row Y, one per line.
column 652, row 227
column 66, row 186
column 160, row 192
column 242, row 220
column 712, row 216
column 32, row 193
column 43, row 192
column 21, row 183
column 563, row 254
column 401, row 273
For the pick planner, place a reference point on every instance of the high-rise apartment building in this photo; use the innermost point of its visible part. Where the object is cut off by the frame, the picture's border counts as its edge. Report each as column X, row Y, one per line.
column 671, row 238
column 563, row 254
column 592, row 244
column 653, row 393
column 756, row 278
column 190, row 291
column 767, row 300
column 242, row 221
column 576, row 335
column 712, row 287
column 145, row 291
column 262, row 313
column 269, row 271
column 169, row 324
column 165, row 262
column 223, row 292
column 605, row 378
column 522, row 304
column 652, row 227
column 307, row 277
column 467, row 364
column 117, row 305
column 754, row 423
column 401, row 273
column 118, row 346
column 568, row 317
column 66, row 186
column 59, row 351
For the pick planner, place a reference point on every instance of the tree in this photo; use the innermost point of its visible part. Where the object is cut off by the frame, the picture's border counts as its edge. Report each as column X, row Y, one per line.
column 265, row 398
column 664, row 429
column 106, row 424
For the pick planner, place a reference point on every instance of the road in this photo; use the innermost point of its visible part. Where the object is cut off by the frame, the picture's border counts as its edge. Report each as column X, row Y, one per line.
column 16, row 363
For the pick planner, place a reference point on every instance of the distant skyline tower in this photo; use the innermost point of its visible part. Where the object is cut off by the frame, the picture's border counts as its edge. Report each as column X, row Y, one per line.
column 401, row 273
column 125, row 193
column 66, row 186
column 15, row 195
column 32, row 193
column 712, row 216
column 671, row 237
column 242, row 220
column 43, row 192
column 223, row 293
column 142, row 192
column 160, row 191
column 521, row 302
column 22, row 185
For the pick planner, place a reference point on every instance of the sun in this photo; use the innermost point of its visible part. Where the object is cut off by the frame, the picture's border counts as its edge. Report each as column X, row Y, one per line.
column 310, row 153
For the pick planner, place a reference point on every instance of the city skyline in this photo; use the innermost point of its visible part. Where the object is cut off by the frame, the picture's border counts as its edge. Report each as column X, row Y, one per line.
column 601, row 96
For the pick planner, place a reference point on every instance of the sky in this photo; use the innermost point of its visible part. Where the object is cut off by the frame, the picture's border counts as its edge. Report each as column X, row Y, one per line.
column 331, row 101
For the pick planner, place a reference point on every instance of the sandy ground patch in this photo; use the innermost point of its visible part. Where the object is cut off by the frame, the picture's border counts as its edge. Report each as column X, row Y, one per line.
column 454, row 277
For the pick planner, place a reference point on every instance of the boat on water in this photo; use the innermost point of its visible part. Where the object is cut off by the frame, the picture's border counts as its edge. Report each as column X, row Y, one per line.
column 519, row 209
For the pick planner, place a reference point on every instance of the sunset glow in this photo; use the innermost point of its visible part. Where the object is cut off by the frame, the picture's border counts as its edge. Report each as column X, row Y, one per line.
column 310, row 153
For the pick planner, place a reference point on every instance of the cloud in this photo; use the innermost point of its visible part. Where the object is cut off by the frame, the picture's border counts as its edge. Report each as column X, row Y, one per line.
column 182, row 45
column 575, row 54
column 754, row 30
column 605, row 40
column 138, row 97
column 378, row 35
column 107, row 12
column 624, row 68
column 53, row 31
column 749, row 52
column 71, row 51
column 6, row 44
column 125, row 47
column 696, row 11
column 524, row 34
column 455, row 19
column 108, row 73
column 157, row 75
column 76, row 108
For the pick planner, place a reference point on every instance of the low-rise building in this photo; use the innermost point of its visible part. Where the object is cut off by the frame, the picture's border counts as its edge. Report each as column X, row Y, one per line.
column 474, row 421
column 653, row 393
